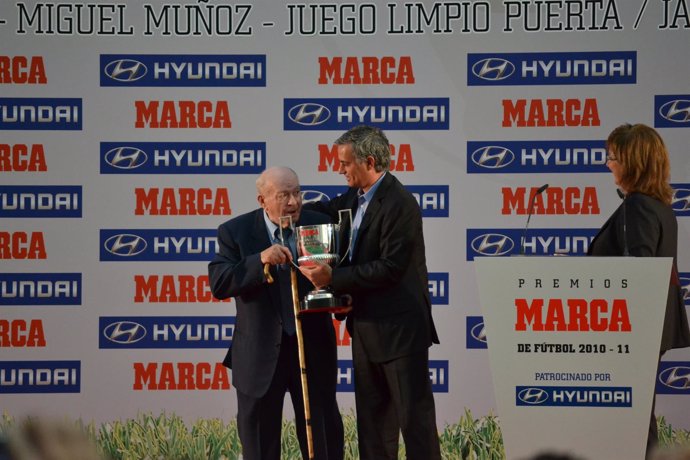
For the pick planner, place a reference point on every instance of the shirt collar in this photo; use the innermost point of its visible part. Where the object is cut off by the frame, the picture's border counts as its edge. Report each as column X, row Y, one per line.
column 370, row 193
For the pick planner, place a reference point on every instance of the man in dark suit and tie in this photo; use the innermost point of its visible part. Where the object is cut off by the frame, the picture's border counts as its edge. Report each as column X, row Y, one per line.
column 264, row 352
column 390, row 323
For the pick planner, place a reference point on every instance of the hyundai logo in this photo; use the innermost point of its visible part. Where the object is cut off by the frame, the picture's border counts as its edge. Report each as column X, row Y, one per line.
column 125, row 157
column 492, row 244
column 125, row 70
column 124, row 332
column 478, row 332
column 677, row 377
column 493, row 157
column 313, row 196
column 677, row 111
column 309, row 114
column 125, row 245
column 681, row 199
column 533, row 396
column 493, row 69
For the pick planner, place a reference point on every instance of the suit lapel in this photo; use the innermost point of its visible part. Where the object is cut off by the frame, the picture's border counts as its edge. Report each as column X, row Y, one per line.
column 372, row 211
column 375, row 204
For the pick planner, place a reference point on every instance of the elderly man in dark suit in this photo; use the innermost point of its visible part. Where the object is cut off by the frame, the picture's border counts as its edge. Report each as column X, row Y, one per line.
column 390, row 323
column 264, row 353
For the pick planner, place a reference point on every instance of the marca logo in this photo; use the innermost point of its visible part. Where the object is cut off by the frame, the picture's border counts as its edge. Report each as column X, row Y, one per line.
column 672, row 111
column 367, row 70
column 386, row 113
column 681, row 199
column 40, row 201
column 126, row 245
column 554, row 201
column 23, row 158
column 475, row 335
column 180, row 376
column 55, row 114
column 168, row 70
column 40, row 288
column 556, row 396
column 173, row 288
column 438, row 374
column 438, row 288
column 529, row 157
column 401, row 158
column 577, row 68
column 550, row 113
column 673, row 378
column 182, row 201
column 182, row 114
column 183, row 157
column 40, row 377
column 22, row 70
column 432, row 199
column 165, row 331
column 685, row 287
column 538, row 241
column 20, row 333
column 22, row 245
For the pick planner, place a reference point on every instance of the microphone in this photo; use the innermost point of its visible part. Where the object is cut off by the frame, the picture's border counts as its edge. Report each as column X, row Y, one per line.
column 539, row 191
column 626, row 252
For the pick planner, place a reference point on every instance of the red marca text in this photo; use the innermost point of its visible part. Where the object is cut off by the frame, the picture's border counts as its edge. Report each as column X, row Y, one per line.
column 367, row 70
column 182, row 202
column 401, row 158
column 180, row 376
column 173, row 288
column 572, row 315
column 182, row 114
column 22, row 70
column 18, row 333
column 22, row 158
column 22, row 245
column 554, row 200
column 523, row 113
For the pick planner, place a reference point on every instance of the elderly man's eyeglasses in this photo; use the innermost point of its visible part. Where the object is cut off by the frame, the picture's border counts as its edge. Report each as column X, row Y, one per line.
column 284, row 197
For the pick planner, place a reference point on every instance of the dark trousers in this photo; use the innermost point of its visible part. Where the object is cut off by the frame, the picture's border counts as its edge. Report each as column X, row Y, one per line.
column 259, row 420
column 392, row 397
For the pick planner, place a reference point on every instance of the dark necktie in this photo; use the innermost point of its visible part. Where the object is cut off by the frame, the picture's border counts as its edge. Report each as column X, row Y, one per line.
column 286, row 309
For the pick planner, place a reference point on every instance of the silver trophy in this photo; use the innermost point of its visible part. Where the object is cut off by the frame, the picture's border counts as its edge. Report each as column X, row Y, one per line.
column 320, row 244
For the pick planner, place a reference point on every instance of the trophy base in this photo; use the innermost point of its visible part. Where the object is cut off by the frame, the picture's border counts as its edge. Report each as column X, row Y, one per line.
column 324, row 301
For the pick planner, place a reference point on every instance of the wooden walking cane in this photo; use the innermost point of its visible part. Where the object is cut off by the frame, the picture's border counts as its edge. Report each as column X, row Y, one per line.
column 302, row 361
column 300, row 350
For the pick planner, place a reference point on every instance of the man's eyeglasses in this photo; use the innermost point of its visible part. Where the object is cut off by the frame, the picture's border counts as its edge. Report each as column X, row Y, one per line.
column 284, row 197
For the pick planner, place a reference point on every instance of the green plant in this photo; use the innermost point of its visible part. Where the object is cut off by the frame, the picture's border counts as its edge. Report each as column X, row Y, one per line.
column 168, row 437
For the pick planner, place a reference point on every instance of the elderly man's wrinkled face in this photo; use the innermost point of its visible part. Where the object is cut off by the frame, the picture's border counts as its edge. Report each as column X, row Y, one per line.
column 281, row 197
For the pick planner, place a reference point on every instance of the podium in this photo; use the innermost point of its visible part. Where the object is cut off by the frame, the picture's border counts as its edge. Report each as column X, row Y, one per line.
column 573, row 348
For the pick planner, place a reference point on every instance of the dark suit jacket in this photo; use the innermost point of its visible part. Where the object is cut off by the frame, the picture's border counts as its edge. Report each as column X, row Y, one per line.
column 387, row 277
column 236, row 271
column 652, row 231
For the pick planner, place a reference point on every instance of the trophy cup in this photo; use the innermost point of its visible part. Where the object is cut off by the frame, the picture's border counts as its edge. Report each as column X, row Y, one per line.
column 320, row 244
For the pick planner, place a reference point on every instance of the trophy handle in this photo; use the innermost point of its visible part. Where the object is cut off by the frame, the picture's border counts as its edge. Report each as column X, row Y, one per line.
column 286, row 222
column 341, row 213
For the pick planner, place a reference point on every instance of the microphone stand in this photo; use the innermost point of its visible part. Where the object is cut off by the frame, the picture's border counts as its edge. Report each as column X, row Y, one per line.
column 529, row 215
